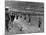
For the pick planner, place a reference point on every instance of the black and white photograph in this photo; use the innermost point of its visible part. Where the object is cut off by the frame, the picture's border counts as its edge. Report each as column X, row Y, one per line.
column 23, row 17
